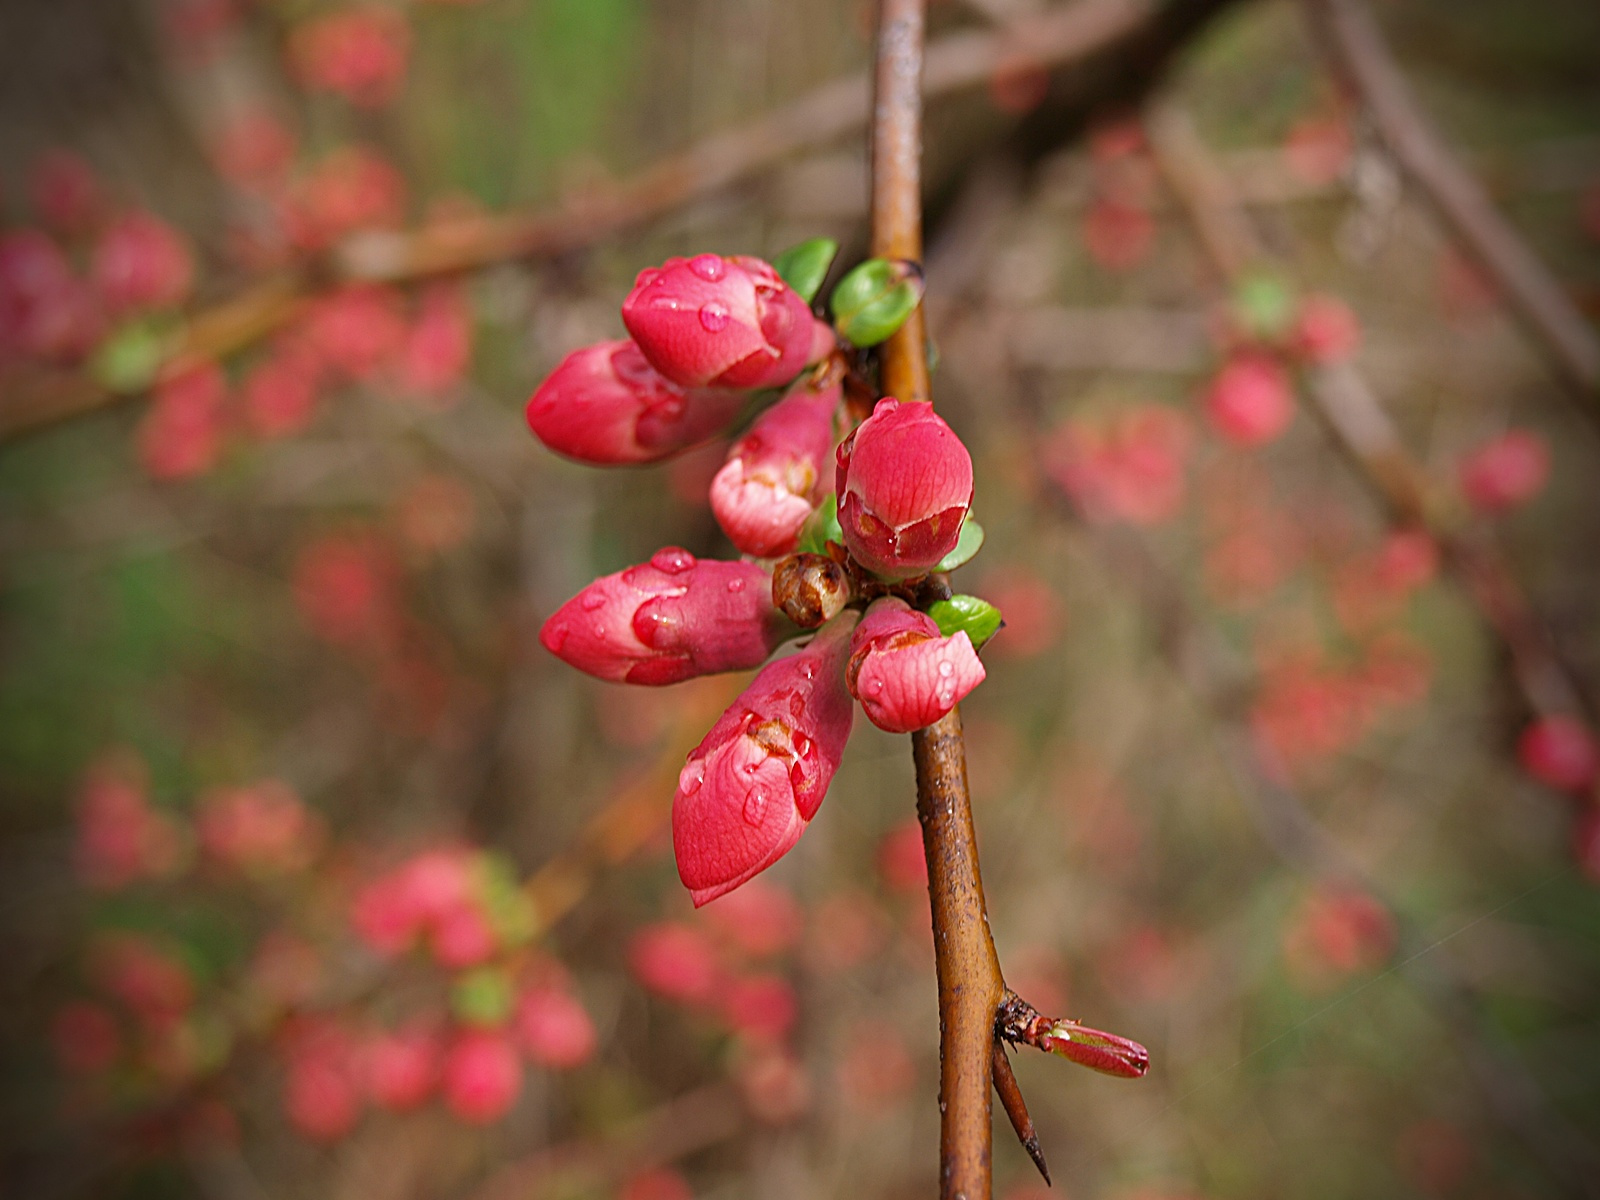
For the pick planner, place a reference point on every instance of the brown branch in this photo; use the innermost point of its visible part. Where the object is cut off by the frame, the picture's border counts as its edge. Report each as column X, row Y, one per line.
column 1350, row 408
column 1355, row 43
column 955, row 63
column 970, row 985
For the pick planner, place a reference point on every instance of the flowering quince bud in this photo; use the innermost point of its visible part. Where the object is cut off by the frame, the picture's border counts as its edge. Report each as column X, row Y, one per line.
column 750, row 788
column 606, row 405
column 1506, row 471
column 667, row 620
column 402, row 1068
column 1105, row 1052
column 905, row 484
column 1559, row 752
column 1251, row 400
column 710, row 321
column 905, row 675
column 770, row 483
column 142, row 262
column 482, row 1076
column 555, row 1028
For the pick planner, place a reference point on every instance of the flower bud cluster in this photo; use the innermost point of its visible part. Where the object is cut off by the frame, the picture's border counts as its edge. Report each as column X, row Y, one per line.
column 844, row 552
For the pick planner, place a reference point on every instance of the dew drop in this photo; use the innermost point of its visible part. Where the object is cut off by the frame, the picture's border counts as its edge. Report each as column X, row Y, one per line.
column 714, row 316
column 691, row 777
column 709, row 267
column 672, row 560
column 874, row 687
column 591, row 601
column 736, row 585
column 947, row 669
column 755, row 806
column 808, row 670
column 598, row 629
column 556, row 637
column 946, row 694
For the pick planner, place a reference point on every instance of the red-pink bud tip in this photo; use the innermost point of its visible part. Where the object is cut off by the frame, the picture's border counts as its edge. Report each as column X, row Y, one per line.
column 904, row 673
column 1093, row 1048
column 750, row 788
column 607, row 406
column 710, row 321
column 773, row 478
column 670, row 619
column 905, row 483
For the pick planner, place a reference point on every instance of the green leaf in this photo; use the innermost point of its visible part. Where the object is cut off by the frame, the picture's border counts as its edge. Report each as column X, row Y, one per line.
column 482, row 997
column 128, row 359
column 805, row 266
column 972, row 615
column 967, row 546
column 875, row 298
column 1264, row 305
column 822, row 527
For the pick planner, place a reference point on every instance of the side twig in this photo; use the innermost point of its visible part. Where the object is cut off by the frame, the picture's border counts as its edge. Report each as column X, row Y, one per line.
column 1355, row 43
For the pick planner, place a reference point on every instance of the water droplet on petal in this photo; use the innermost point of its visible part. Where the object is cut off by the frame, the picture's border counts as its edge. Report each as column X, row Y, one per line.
column 714, row 316
column 874, row 687
column 556, row 637
column 598, row 629
column 947, row 669
column 946, row 694
column 709, row 267
column 672, row 560
column 755, row 806
column 591, row 601
column 691, row 777
column 736, row 585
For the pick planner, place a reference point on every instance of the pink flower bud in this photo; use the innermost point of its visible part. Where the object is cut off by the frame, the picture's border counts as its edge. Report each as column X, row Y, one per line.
column 555, row 1028
column 773, row 477
column 606, row 405
column 760, row 1006
column 1326, row 331
column 1251, row 401
column 905, row 484
column 710, row 321
column 482, row 1076
column 904, row 673
column 262, row 829
column 64, row 191
column 45, row 310
column 142, row 262
column 667, row 620
column 357, row 53
column 1505, row 472
column 749, row 789
column 181, row 433
column 320, row 1097
column 402, row 1068
column 676, row 961
column 1559, row 752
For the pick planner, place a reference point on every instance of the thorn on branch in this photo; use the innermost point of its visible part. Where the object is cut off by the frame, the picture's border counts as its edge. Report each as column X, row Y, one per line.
column 1005, row 1086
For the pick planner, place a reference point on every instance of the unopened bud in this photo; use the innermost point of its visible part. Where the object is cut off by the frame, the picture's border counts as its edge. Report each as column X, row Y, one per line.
column 874, row 299
column 809, row 589
column 1106, row 1052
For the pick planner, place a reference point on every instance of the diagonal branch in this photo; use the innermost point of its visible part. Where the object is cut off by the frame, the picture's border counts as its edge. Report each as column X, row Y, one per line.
column 1353, row 40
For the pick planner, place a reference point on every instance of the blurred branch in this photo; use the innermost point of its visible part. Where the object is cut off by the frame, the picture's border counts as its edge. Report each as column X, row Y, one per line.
column 1353, row 40
column 970, row 985
column 954, row 63
column 1350, row 408
column 1199, row 659
column 681, row 1126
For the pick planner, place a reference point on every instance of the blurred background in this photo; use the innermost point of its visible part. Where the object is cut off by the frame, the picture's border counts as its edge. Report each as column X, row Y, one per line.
column 322, row 879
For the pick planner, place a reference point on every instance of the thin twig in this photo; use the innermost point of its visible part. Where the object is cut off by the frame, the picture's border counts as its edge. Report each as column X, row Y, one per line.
column 1352, row 38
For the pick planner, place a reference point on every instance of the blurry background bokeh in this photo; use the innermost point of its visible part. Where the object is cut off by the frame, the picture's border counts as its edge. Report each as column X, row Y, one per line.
column 1257, row 772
